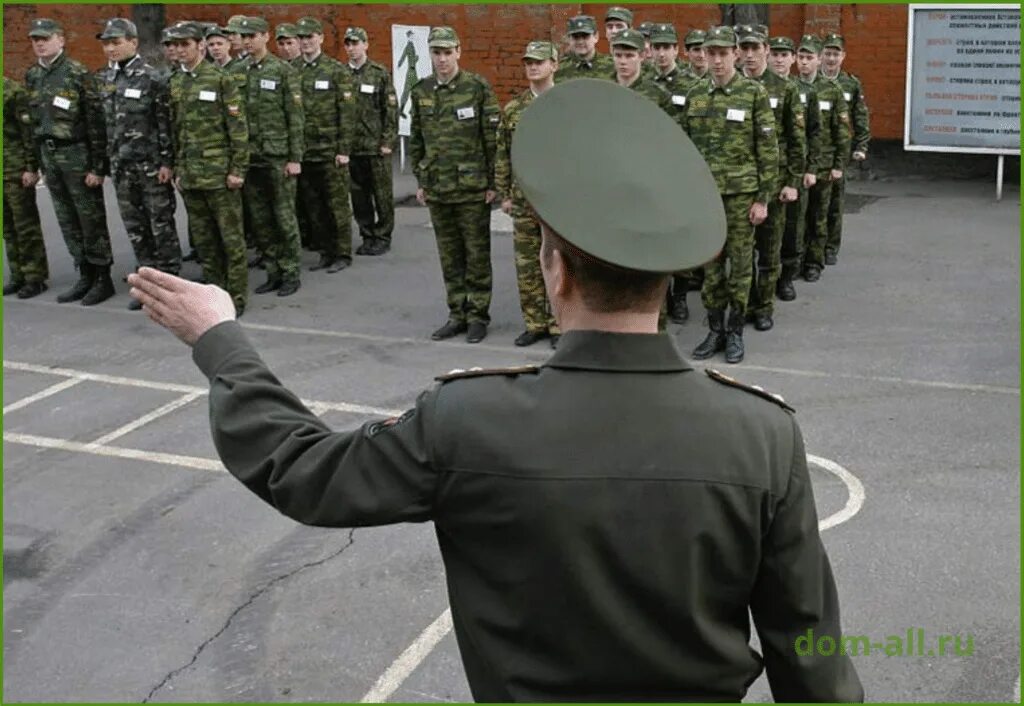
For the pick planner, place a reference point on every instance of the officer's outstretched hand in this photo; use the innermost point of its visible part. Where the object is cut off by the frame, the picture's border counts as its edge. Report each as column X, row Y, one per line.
column 186, row 309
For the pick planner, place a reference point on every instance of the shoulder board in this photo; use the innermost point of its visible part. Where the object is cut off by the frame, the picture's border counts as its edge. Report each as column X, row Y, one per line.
column 458, row 373
column 426, row 83
column 753, row 389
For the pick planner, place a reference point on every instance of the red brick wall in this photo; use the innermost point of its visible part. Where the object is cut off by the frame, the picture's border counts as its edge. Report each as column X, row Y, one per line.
column 493, row 35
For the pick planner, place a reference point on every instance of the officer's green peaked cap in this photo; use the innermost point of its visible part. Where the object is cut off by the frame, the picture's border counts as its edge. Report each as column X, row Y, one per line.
column 649, row 205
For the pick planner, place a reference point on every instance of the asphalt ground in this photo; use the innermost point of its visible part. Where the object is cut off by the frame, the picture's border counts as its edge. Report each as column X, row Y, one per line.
column 135, row 569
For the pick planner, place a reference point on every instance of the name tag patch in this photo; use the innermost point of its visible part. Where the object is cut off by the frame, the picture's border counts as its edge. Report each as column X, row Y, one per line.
column 465, row 113
column 803, row 98
column 321, row 85
column 367, row 88
column 847, row 96
column 678, row 100
column 825, row 105
column 132, row 93
column 208, row 96
column 62, row 102
column 737, row 116
column 773, row 101
column 268, row 85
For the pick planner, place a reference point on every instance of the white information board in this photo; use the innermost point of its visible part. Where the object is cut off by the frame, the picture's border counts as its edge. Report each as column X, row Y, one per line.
column 410, row 62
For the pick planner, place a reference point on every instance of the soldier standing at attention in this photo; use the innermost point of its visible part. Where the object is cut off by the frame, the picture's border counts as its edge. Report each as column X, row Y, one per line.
column 616, row 19
column 328, row 99
column 375, row 129
column 211, row 143
column 273, row 110
column 23, row 233
column 540, row 61
column 646, row 28
column 832, row 56
column 730, row 120
column 455, row 118
column 233, row 28
column 67, row 126
column 136, row 105
column 583, row 60
column 697, row 58
column 791, row 130
column 287, row 43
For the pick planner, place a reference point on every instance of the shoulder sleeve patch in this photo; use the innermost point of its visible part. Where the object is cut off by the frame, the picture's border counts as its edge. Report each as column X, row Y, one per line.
column 458, row 373
column 753, row 389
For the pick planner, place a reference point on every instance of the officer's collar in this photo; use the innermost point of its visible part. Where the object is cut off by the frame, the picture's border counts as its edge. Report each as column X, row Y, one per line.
column 623, row 352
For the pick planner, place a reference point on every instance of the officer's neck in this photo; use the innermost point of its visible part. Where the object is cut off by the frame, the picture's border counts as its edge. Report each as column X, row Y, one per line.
column 357, row 64
column 578, row 318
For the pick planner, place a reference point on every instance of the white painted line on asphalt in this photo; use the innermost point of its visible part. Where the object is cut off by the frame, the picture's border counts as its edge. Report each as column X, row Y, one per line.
column 1016, row 690
column 938, row 384
column 411, row 658
column 41, row 395
column 855, row 499
column 98, row 377
column 145, row 419
column 46, row 442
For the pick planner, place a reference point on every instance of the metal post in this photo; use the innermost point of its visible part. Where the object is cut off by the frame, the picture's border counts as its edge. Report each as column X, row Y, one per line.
column 401, row 153
column 999, row 178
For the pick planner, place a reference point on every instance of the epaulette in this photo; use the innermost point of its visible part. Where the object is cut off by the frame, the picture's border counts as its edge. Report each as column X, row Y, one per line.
column 459, row 373
column 753, row 389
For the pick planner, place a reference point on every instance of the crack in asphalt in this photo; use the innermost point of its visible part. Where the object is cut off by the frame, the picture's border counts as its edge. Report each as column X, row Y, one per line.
column 249, row 601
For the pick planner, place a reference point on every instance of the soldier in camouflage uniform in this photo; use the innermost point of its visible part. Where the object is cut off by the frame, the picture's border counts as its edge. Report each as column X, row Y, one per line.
column 791, row 130
column 616, row 19
column 627, row 51
column 583, row 59
column 540, row 61
column 730, row 120
column 833, row 155
column 376, row 131
column 67, row 126
column 138, row 120
column 455, row 117
column 287, row 42
column 211, row 143
column 328, row 98
column 23, row 234
column 233, row 28
column 832, row 56
column 697, row 58
column 273, row 110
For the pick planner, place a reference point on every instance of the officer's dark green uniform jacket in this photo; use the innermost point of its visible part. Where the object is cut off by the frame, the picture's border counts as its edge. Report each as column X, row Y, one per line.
column 605, row 519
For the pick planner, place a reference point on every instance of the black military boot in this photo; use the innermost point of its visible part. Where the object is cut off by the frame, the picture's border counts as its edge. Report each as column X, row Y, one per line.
column 715, row 340
column 324, row 262
column 13, row 287
column 734, row 338
column 784, row 289
column 272, row 283
column 31, row 289
column 102, row 287
column 677, row 309
column 86, row 276
column 289, row 287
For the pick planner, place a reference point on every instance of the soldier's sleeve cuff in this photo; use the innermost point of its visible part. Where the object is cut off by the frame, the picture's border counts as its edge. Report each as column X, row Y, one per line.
column 218, row 345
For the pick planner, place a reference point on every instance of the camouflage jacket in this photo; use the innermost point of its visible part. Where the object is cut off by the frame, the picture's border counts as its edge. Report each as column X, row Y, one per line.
column 211, row 137
column 65, row 106
column 504, row 182
column 790, row 127
column 571, row 66
column 273, row 109
column 835, row 125
column 453, row 137
column 328, row 101
column 19, row 151
column 376, row 120
column 136, row 109
column 808, row 98
column 853, row 94
column 646, row 87
column 677, row 83
column 733, row 127
column 238, row 69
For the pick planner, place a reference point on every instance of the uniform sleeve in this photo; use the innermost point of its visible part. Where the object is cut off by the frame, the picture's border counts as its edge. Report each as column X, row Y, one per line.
column 24, row 149
column 237, row 127
column 859, row 114
column 841, row 131
column 795, row 126
column 766, row 147
column 95, row 125
column 348, row 110
column 490, row 116
column 795, row 594
column 813, row 116
column 503, row 157
column 417, row 147
column 389, row 119
column 379, row 474
column 162, row 109
column 295, row 114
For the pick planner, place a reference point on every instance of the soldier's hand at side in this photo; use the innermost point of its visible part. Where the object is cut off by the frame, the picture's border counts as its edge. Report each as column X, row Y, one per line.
column 186, row 309
column 758, row 213
column 421, row 196
column 506, row 206
column 292, row 169
column 835, row 174
column 92, row 180
column 234, row 182
column 385, row 150
column 859, row 156
column 340, row 160
column 29, row 179
column 165, row 175
column 490, row 195
column 810, row 180
column 788, row 194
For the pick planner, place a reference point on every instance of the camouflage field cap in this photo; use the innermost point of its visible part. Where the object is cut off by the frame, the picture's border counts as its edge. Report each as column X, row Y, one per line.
column 810, row 43
column 645, row 28
column 234, row 22
column 285, row 30
column 44, row 27
column 357, row 34
column 581, row 24
column 630, row 38
column 185, row 30
column 253, row 25
column 306, row 26
column 165, row 35
column 619, row 13
column 118, row 27
column 720, row 37
column 443, row 38
column 834, row 41
column 750, row 34
column 541, row 51
column 694, row 38
column 215, row 31
column 664, row 33
column 781, row 44
column 665, row 217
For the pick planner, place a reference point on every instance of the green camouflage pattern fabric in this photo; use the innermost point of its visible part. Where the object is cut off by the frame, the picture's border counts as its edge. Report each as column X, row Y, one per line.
column 792, row 250
column 274, row 111
column 853, row 94
column 658, row 95
column 572, row 66
column 808, row 96
column 834, row 218
column 677, row 83
column 731, row 288
column 23, row 233
column 211, row 136
column 19, row 149
column 80, row 210
column 819, row 198
column 463, row 232
column 329, row 103
column 504, row 182
column 215, row 219
column 790, row 124
column 768, row 262
column 835, row 125
column 453, row 137
column 733, row 127
column 269, row 198
column 376, row 109
column 373, row 198
column 323, row 192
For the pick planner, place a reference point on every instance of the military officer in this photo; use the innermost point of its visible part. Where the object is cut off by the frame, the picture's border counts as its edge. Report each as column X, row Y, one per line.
column 287, row 42
column 328, row 96
column 455, row 117
column 583, row 59
column 273, row 105
column 23, row 233
column 211, row 158
column 138, row 120
column 832, row 55
column 697, row 58
column 375, row 134
column 730, row 120
column 552, row 493
column 791, row 130
column 540, row 61
column 67, row 126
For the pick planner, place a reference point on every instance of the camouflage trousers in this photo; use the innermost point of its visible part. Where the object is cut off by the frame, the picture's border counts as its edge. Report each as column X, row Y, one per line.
column 768, row 265
column 373, row 199
column 793, row 234
column 215, row 220
column 533, row 297
column 269, row 198
column 835, row 216
column 816, row 229
column 23, row 234
column 79, row 208
column 731, row 287
column 147, row 209
column 323, row 196
column 463, row 232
